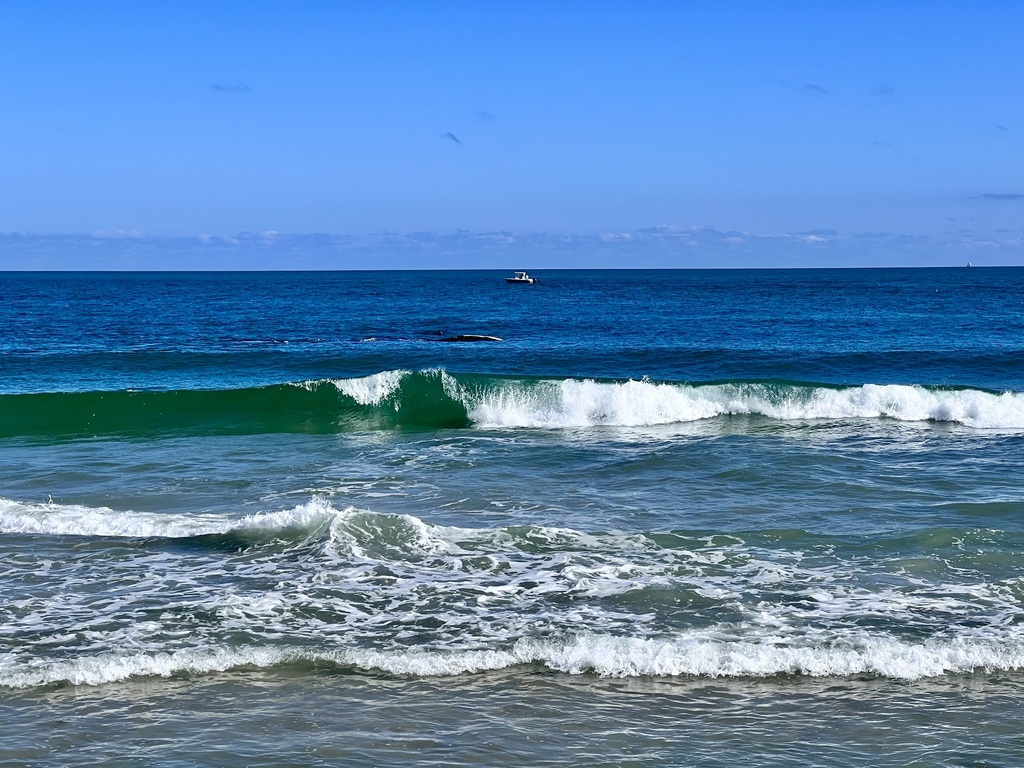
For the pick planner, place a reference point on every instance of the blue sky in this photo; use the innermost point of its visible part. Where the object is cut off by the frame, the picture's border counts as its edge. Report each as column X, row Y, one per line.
column 448, row 134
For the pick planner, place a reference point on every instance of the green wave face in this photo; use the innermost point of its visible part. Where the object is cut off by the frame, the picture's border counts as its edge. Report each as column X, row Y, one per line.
column 436, row 399
column 319, row 407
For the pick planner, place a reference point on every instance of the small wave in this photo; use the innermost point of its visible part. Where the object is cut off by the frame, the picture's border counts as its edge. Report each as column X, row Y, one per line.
column 697, row 656
column 116, row 667
column 603, row 655
column 357, row 532
column 55, row 519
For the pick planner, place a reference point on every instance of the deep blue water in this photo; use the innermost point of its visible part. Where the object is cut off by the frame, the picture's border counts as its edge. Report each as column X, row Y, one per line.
column 71, row 331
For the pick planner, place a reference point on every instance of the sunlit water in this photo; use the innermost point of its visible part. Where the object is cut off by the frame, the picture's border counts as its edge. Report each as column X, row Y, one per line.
column 671, row 518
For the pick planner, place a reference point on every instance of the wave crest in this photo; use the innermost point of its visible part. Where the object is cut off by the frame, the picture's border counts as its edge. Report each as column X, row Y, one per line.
column 603, row 655
column 436, row 399
column 586, row 403
column 54, row 519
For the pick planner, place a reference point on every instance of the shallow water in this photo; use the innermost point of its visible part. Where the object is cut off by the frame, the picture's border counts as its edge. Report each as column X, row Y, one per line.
column 315, row 717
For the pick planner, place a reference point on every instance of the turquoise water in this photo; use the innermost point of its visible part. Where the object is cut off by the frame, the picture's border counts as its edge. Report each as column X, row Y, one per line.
column 669, row 518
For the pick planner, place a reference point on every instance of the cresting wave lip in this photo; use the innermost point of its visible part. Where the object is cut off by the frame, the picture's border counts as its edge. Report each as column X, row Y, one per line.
column 603, row 655
column 586, row 403
column 436, row 399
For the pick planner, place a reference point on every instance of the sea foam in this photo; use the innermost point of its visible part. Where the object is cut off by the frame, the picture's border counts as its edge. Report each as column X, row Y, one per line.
column 51, row 518
column 372, row 390
column 603, row 655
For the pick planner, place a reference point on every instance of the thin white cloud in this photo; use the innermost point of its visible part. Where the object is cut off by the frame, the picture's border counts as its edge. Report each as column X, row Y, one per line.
column 663, row 246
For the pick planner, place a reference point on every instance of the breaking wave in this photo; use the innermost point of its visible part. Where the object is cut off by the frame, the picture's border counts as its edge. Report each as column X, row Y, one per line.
column 603, row 655
column 355, row 590
column 436, row 399
column 575, row 403
column 53, row 519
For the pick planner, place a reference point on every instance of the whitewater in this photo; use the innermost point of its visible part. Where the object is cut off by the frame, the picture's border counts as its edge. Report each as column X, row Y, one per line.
column 588, row 403
column 674, row 518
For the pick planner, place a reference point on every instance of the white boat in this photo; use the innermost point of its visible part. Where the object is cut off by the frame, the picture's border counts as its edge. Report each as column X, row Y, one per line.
column 521, row 277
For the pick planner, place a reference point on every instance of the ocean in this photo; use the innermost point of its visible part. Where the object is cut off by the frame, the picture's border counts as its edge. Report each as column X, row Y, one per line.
column 668, row 518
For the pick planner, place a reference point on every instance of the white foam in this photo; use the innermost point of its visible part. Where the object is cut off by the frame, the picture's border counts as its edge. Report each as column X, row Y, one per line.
column 580, row 403
column 494, row 588
column 371, row 390
column 76, row 520
column 608, row 656
column 314, row 511
column 705, row 657
column 115, row 667
column 585, row 403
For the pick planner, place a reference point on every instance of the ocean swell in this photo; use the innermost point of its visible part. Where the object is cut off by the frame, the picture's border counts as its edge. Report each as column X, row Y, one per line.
column 436, row 399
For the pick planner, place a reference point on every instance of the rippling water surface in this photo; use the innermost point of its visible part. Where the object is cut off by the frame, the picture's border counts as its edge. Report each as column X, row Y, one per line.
column 669, row 518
